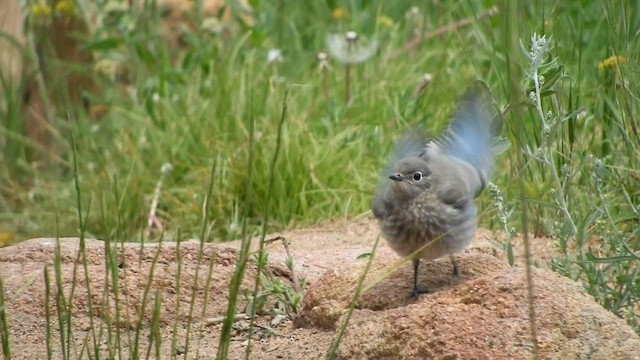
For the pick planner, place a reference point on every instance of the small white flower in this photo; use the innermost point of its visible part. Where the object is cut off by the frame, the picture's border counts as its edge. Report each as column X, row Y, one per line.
column 413, row 14
column 155, row 97
column 415, row 19
column 425, row 80
column 323, row 58
column 350, row 48
column 166, row 168
column 274, row 55
column 581, row 115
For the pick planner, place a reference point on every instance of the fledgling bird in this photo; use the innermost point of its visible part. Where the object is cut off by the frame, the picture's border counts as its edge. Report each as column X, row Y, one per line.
column 425, row 205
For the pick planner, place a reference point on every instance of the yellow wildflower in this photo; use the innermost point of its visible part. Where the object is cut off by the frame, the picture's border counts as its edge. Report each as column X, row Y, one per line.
column 612, row 62
column 385, row 21
column 6, row 239
column 40, row 10
column 66, row 8
column 339, row 13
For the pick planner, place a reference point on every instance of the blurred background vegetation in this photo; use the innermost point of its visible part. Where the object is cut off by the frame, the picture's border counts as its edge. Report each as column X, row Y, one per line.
column 189, row 83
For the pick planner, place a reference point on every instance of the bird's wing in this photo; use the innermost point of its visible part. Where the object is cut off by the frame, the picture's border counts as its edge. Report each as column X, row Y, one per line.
column 454, row 194
column 470, row 136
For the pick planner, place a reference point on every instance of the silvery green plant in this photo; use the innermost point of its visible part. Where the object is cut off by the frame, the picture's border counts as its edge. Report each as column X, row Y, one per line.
column 542, row 73
column 503, row 218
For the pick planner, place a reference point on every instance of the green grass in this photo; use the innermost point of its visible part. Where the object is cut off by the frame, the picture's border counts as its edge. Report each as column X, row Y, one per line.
column 208, row 100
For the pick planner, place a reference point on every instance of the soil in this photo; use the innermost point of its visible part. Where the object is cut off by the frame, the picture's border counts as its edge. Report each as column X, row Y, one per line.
column 480, row 314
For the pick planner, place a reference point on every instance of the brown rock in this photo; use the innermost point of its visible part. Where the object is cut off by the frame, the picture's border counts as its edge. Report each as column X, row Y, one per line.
column 480, row 314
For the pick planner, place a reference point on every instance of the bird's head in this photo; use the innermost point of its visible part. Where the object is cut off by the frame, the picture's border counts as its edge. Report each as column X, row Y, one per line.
column 410, row 177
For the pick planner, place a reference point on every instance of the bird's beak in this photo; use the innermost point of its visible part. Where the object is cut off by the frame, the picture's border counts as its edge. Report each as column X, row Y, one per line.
column 395, row 177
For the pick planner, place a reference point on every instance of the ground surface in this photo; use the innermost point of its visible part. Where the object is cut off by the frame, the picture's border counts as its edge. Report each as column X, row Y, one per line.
column 481, row 314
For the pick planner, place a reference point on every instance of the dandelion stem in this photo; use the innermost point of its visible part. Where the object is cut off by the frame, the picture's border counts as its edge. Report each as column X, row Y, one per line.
column 347, row 83
column 325, row 84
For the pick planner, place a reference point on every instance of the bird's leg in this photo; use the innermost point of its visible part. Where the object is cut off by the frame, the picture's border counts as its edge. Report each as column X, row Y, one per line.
column 416, row 292
column 455, row 265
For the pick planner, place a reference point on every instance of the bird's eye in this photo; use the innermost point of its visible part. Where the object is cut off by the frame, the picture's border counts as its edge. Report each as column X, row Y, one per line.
column 417, row 176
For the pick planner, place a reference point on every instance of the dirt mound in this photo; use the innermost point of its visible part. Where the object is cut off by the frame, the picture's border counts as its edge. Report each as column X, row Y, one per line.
column 481, row 313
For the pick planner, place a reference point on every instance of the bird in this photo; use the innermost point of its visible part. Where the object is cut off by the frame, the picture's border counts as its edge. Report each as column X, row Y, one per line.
column 425, row 202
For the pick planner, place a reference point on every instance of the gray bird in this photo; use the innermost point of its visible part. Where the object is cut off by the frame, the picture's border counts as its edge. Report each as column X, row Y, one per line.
column 425, row 204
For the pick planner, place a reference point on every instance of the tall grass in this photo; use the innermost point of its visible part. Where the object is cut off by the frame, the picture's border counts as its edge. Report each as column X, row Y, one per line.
column 214, row 100
column 4, row 324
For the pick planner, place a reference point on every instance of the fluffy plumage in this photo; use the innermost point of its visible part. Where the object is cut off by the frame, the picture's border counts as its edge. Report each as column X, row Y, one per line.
column 425, row 205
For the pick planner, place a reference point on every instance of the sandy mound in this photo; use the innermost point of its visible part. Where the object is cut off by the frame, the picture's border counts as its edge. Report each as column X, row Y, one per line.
column 481, row 313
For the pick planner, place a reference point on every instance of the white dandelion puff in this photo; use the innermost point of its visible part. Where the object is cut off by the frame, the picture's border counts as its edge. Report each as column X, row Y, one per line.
column 350, row 48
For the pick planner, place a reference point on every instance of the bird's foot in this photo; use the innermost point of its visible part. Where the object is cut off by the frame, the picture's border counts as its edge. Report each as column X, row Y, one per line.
column 415, row 293
column 455, row 266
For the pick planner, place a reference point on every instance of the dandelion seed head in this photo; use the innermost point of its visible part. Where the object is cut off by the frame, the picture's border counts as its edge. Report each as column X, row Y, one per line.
column 350, row 48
